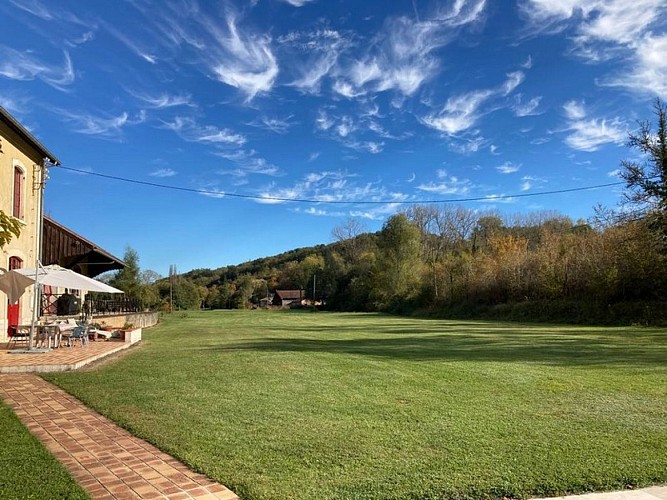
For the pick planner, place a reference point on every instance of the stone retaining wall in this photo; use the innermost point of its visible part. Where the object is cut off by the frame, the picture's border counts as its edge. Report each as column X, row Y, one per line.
column 138, row 320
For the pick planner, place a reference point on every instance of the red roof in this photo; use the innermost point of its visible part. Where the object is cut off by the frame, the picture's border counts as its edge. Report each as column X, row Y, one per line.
column 289, row 294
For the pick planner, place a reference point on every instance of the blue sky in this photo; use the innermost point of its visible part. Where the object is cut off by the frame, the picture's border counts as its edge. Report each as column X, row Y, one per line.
column 242, row 105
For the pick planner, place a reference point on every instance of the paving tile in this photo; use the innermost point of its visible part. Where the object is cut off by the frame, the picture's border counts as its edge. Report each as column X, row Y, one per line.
column 652, row 493
column 179, row 496
column 152, row 494
column 107, row 460
column 658, row 492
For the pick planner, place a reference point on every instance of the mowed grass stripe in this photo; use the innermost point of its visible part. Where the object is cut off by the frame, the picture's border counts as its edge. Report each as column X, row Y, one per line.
column 322, row 405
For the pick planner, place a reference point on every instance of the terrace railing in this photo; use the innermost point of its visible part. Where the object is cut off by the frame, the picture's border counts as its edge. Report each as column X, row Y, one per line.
column 100, row 307
column 54, row 304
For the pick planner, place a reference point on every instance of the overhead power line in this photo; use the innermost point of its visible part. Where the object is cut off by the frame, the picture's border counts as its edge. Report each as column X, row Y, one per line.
column 340, row 202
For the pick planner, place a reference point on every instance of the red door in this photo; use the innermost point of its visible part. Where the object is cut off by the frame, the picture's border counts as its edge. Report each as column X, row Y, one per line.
column 14, row 310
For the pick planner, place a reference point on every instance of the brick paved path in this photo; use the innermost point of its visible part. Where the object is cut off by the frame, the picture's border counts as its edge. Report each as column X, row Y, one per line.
column 106, row 460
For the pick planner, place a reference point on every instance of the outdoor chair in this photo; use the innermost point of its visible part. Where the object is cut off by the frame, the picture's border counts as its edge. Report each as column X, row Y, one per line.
column 18, row 335
column 80, row 333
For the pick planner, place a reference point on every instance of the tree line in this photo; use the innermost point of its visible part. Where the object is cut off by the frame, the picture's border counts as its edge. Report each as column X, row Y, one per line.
column 454, row 261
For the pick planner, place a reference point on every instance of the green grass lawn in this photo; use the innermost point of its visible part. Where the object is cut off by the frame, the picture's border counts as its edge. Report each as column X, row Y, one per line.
column 27, row 469
column 280, row 405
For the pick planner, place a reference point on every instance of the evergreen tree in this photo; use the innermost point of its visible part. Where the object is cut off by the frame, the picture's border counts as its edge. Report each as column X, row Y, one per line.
column 647, row 181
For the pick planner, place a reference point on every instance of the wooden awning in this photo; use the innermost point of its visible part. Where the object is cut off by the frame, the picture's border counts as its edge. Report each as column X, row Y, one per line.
column 68, row 249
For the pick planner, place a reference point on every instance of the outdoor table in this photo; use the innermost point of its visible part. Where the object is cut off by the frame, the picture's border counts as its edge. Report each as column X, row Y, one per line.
column 46, row 333
column 65, row 332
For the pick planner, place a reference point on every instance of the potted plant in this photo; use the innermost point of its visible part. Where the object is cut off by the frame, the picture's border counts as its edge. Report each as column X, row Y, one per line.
column 130, row 333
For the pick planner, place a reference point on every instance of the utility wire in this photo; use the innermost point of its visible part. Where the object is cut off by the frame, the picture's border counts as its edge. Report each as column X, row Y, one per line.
column 339, row 202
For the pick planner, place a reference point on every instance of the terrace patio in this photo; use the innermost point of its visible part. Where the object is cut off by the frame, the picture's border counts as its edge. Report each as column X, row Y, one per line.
column 61, row 359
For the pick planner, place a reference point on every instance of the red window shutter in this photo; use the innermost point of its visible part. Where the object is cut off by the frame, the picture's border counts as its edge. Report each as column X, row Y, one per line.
column 15, row 263
column 18, row 193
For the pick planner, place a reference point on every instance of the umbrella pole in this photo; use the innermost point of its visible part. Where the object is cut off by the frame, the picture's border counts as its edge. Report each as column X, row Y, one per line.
column 35, row 305
column 39, row 188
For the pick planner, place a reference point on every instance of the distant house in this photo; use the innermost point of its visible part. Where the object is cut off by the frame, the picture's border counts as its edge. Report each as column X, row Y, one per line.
column 284, row 298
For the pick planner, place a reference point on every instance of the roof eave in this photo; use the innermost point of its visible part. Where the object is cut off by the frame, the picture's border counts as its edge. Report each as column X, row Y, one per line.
column 28, row 137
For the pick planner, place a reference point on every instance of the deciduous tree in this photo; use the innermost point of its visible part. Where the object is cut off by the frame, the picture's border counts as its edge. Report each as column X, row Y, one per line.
column 10, row 228
column 398, row 268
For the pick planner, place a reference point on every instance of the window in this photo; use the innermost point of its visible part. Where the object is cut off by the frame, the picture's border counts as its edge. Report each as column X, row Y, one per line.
column 15, row 263
column 19, row 181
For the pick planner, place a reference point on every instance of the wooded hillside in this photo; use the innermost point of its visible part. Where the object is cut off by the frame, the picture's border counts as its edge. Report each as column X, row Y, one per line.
column 459, row 262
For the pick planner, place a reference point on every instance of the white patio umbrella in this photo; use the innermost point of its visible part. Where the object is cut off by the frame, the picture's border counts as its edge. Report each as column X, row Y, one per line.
column 55, row 275
column 52, row 275
column 14, row 285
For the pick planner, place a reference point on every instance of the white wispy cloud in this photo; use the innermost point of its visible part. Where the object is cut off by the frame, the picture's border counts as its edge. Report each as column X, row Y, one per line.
column 164, row 100
column 348, row 131
column 17, row 65
column 225, row 50
column 462, row 112
column 332, row 186
column 347, row 90
column 314, row 55
column 107, row 127
column 34, row 7
column 13, row 104
column 277, row 125
column 530, row 182
column 323, row 120
column 297, row 3
column 514, row 79
column 246, row 163
column 136, row 44
column 459, row 114
column 397, row 66
column 81, row 39
column 529, row 108
column 498, row 198
column 648, row 73
column 508, row 168
column 373, row 147
column 345, row 126
column 242, row 58
column 467, row 145
column 259, row 166
column 211, row 190
column 191, row 131
column 574, row 110
column 588, row 134
column 236, row 155
column 618, row 21
column 400, row 58
column 163, row 172
column 461, row 12
column 447, row 185
column 610, row 29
